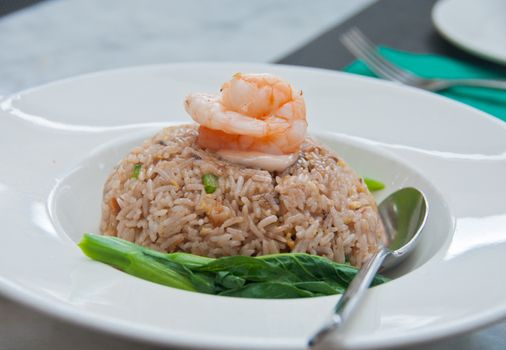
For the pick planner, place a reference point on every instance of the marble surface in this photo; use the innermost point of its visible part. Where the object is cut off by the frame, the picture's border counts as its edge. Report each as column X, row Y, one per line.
column 61, row 38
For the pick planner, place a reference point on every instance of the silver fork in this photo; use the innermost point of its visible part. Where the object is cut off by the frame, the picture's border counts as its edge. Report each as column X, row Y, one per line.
column 361, row 47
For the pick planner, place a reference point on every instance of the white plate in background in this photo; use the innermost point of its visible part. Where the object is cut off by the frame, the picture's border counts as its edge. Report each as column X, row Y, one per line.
column 477, row 26
column 62, row 139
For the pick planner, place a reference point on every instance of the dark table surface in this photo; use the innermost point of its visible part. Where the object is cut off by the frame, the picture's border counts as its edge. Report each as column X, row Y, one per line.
column 400, row 24
column 9, row 6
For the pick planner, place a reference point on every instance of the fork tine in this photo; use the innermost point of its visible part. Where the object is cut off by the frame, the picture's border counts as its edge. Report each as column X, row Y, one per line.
column 361, row 53
column 370, row 47
column 359, row 45
column 372, row 58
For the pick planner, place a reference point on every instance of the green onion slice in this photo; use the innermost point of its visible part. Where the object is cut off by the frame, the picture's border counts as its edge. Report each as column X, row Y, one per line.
column 136, row 171
column 210, row 182
column 373, row 185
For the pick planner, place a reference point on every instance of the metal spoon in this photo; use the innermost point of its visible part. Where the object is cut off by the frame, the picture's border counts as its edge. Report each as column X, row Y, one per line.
column 403, row 213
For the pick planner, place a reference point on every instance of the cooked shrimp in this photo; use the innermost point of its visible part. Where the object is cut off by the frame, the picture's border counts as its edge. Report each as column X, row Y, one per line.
column 253, row 113
column 270, row 162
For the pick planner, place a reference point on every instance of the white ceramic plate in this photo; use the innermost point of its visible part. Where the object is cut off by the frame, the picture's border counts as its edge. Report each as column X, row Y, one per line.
column 478, row 27
column 61, row 140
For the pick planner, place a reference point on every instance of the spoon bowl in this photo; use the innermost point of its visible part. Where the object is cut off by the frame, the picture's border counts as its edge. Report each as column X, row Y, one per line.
column 403, row 214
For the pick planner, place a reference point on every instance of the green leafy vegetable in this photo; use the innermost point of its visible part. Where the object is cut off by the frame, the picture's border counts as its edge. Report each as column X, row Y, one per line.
column 287, row 275
column 274, row 290
column 246, row 267
column 373, row 185
column 210, row 182
column 228, row 280
column 189, row 260
column 312, row 267
column 136, row 171
column 321, row 287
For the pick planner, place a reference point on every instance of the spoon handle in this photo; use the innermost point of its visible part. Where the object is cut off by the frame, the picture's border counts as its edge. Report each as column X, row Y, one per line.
column 352, row 296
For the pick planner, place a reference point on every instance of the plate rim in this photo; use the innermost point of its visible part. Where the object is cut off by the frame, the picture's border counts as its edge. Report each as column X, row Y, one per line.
column 371, row 80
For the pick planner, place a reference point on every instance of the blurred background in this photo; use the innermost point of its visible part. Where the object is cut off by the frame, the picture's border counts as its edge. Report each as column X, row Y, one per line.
column 46, row 40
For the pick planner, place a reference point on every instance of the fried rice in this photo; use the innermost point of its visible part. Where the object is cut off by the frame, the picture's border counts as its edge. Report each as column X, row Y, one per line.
column 155, row 197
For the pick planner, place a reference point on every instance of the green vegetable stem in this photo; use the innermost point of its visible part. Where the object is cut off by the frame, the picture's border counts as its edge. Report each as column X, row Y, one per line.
column 131, row 259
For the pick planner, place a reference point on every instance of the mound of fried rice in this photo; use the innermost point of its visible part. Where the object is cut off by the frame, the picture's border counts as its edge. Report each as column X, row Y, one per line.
column 155, row 197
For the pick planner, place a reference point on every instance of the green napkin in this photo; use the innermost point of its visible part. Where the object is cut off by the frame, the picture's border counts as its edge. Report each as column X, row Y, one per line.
column 434, row 66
